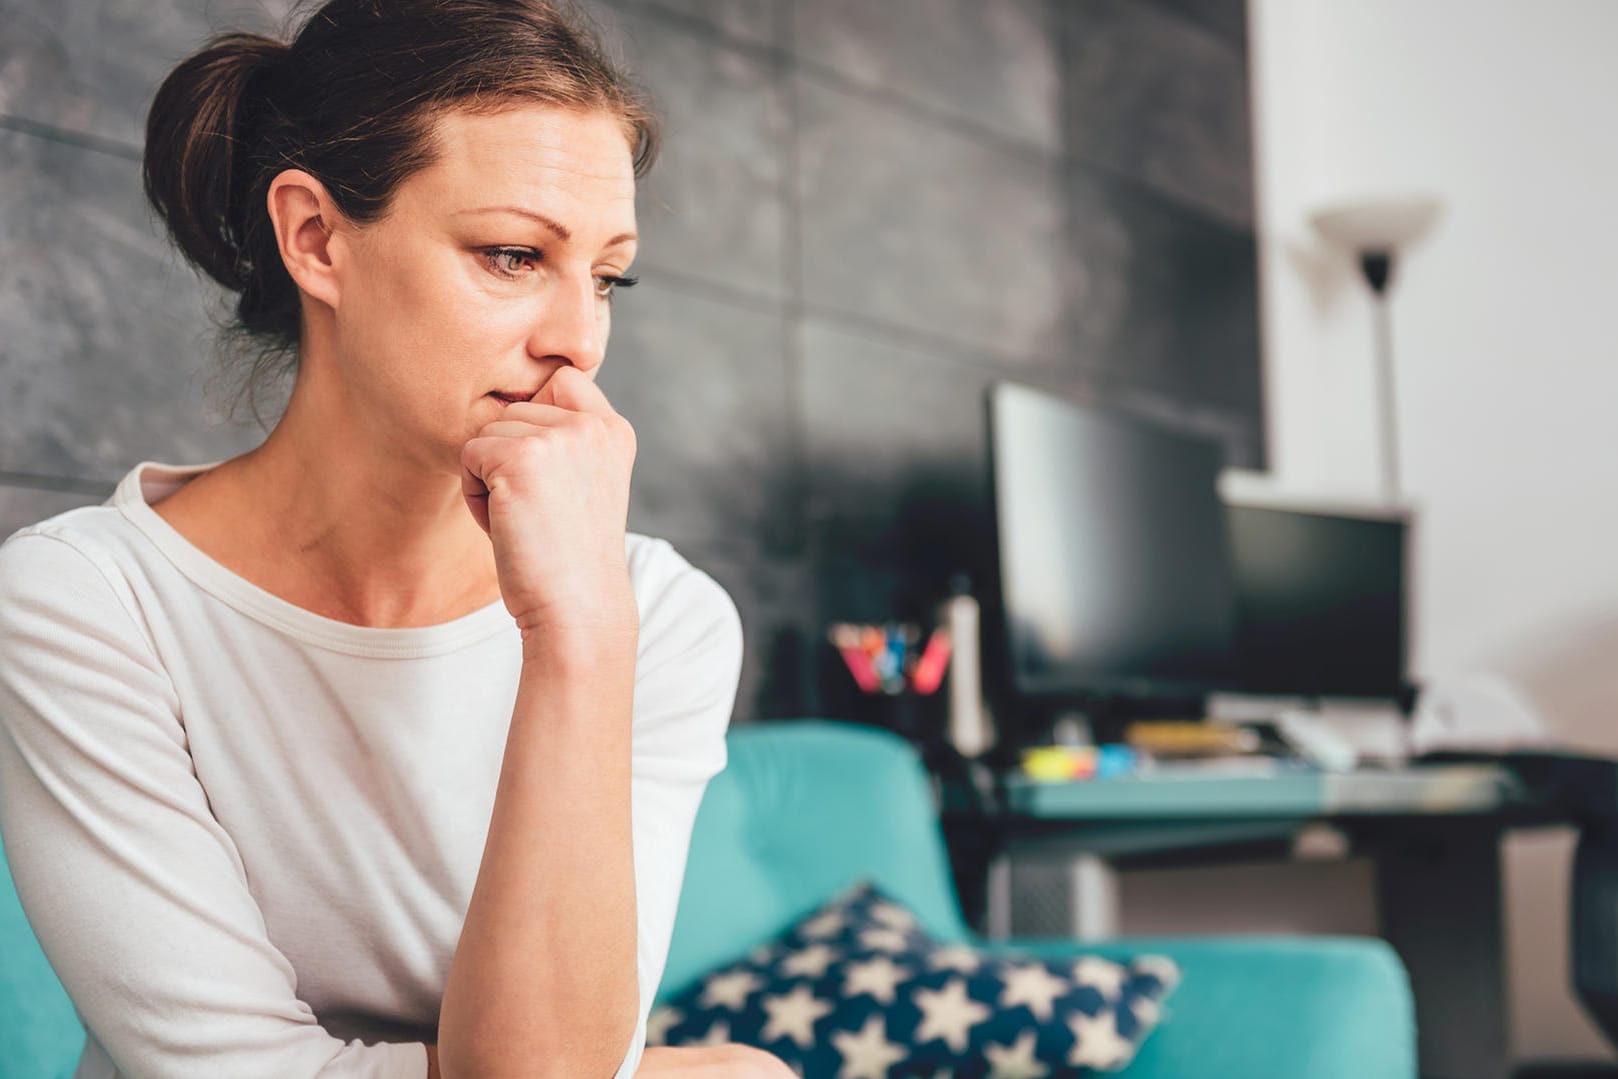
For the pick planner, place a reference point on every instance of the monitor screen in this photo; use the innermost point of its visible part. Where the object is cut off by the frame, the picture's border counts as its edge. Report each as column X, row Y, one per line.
column 1321, row 601
column 1113, row 551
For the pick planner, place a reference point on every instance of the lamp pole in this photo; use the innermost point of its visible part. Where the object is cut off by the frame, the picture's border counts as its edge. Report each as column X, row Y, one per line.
column 1377, row 269
column 1375, row 230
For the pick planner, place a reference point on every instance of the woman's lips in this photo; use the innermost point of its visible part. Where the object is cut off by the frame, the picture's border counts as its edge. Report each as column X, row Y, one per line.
column 506, row 398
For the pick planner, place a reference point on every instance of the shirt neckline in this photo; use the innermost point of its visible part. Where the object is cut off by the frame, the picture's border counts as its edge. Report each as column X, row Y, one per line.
column 150, row 481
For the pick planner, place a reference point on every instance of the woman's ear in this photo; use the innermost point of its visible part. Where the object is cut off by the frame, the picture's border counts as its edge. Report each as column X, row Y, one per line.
column 303, row 217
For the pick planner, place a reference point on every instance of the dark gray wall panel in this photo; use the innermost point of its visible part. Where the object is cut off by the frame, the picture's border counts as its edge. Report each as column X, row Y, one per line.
column 1166, row 300
column 995, row 65
column 93, row 67
column 908, row 222
column 761, row 21
column 883, row 415
column 21, row 506
column 1160, row 101
column 704, row 385
column 896, row 453
column 776, row 601
column 106, row 339
column 1243, row 442
column 711, row 207
column 1226, row 18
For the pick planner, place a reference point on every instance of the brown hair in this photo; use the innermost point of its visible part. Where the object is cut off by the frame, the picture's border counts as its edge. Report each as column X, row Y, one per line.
column 352, row 102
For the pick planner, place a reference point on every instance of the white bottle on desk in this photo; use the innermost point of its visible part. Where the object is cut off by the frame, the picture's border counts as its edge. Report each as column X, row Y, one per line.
column 971, row 726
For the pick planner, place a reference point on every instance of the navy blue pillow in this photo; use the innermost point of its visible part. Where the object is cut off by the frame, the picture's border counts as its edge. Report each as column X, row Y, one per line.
column 858, row 991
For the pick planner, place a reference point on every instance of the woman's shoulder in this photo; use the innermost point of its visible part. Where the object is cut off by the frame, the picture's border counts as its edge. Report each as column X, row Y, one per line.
column 654, row 563
column 101, row 538
column 65, row 572
column 71, row 543
column 677, row 597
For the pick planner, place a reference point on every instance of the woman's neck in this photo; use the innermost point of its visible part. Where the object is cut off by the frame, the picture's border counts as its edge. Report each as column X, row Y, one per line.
column 331, row 519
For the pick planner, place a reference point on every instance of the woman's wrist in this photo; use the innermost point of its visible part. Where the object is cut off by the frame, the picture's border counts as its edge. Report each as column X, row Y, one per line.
column 584, row 639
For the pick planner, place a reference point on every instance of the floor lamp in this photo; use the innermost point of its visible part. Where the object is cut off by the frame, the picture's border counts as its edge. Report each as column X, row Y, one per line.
column 1376, row 231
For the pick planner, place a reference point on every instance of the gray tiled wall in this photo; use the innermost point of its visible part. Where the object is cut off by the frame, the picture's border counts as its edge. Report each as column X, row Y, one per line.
column 864, row 214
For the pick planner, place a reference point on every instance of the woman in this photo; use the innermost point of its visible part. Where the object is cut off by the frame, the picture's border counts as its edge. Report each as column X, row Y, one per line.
column 375, row 751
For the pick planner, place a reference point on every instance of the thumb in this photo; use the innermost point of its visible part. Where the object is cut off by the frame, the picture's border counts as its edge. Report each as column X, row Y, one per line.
column 571, row 389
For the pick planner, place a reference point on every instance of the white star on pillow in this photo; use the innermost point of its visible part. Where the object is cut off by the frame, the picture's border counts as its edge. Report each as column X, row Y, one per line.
column 868, row 1054
column 1096, row 1043
column 730, row 990
column 1015, row 1061
column 950, row 1014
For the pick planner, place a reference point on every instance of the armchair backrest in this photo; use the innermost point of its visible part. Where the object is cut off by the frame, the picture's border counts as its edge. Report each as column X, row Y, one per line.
column 39, row 1030
column 803, row 808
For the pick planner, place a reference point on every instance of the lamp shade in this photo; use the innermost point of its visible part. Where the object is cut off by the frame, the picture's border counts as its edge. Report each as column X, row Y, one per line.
column 1379, row 224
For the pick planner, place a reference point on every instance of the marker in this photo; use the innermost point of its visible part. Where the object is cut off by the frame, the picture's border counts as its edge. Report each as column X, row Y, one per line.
column 859, row 665
column 934, row 659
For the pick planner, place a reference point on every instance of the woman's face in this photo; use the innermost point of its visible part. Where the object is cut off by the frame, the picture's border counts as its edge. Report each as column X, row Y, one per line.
column 491, row 269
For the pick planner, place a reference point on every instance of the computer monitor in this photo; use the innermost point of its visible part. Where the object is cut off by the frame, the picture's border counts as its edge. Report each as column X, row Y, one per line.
column 1113, row 555
column 1320, row 601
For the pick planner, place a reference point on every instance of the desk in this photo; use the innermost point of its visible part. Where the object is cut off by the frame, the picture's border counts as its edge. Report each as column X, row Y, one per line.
column 1432, row 831
column 1300, row 793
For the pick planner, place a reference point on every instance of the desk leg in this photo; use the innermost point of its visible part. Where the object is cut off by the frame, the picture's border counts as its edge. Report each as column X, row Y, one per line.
column 1095, row 898
column 1439, row 900
column 998, row 918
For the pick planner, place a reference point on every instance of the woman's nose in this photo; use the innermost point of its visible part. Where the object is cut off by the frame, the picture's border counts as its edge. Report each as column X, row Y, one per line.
column 572, row 326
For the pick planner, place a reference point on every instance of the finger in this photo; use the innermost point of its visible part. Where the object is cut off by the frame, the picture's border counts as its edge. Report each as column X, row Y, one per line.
column 479, row 457
column 476, row 495
column 510, row 429
column 575, row 391
column 536, row 413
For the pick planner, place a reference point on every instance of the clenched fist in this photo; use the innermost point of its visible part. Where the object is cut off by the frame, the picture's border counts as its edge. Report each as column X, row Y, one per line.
column 549, row 482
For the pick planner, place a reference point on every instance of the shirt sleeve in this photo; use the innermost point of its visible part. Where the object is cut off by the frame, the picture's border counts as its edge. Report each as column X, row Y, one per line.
column 685, row 693
column 136, row 893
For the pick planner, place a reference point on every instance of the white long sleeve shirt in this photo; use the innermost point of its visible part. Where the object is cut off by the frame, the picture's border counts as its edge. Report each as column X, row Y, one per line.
column 246, row 834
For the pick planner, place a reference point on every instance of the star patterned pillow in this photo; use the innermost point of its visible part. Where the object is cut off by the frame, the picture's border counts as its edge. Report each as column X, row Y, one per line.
column 858, row 991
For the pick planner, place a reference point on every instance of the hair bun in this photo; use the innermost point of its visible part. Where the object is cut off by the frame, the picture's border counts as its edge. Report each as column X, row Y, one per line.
column 197, row 145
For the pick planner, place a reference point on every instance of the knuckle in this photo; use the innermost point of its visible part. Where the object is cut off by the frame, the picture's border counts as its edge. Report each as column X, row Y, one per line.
column 623, row 431
column 750, row 1062
column 531, row 449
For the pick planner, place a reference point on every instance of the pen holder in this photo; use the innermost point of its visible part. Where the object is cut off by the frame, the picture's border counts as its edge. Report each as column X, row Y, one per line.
column 917, row 717
column 891, row 674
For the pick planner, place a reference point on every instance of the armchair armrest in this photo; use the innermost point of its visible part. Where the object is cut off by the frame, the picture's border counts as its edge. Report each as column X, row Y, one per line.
column 1266, row 1007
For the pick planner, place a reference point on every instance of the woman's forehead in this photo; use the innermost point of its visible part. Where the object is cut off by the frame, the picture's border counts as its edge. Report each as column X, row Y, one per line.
column 530, row 156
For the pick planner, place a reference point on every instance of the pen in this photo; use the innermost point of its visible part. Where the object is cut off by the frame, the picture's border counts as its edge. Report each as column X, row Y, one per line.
column 934, row 659
column 859, row 665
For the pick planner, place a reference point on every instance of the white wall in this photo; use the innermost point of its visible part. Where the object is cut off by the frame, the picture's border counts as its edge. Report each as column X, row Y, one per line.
column 1504, row 328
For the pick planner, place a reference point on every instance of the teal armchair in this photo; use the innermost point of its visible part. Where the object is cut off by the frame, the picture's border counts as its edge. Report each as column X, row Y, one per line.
column 806, row 806
column 803, row 808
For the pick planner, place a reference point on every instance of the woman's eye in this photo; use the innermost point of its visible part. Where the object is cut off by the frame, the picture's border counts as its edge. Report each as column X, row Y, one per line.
column 513, row 262
column 509, row 261
column 607, row 282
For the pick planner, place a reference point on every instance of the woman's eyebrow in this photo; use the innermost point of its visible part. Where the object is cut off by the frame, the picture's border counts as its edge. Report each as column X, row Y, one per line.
column 562, row 232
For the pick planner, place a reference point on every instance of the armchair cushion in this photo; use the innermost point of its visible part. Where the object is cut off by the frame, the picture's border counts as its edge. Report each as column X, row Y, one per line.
column 858, row 988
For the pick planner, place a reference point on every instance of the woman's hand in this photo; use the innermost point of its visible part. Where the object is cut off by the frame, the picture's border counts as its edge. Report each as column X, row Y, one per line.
column 728, row 1061
column 549, row 483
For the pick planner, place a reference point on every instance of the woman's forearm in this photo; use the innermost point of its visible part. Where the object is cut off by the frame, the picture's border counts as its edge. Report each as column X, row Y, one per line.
column 543, row 981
